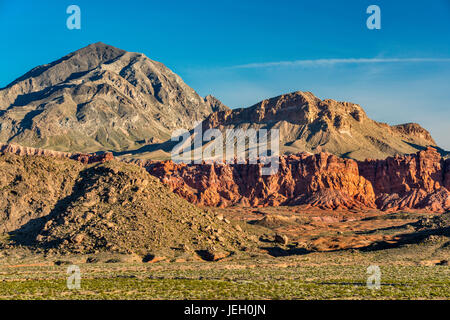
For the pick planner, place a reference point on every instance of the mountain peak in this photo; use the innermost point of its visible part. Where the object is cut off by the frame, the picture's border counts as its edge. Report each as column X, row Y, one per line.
column 98, row 51
column 100, row 46
column 79, row 61
column 98, row 98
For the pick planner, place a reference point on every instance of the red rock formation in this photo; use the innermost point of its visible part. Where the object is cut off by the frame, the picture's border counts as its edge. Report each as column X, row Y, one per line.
column 419, row 181
column 82, row 157
column 93, row 158
column 413, row 181
column 19, row 150
column 298, row 179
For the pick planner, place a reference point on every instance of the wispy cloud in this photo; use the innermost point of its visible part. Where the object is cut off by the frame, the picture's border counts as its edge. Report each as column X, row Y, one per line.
column 328, row 62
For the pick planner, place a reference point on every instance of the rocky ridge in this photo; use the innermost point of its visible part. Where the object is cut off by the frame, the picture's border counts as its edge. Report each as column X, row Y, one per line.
column 66, row 206
column 418, row 181
column 309, row 124
column 81, row 157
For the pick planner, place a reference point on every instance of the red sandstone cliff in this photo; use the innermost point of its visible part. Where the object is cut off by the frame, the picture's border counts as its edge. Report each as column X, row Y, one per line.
column 297, row 181
column 419, row 181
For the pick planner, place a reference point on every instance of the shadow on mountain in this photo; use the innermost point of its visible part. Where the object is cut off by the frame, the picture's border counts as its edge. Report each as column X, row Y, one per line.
column 25, row 99
column 166, row 146
column 391, row 228
column 26, row 123
column 280, row 252
column 347, row 155
column 26, row 235
column 408, row 238
column 36, row 72
column 441, row 151
column 77, row 75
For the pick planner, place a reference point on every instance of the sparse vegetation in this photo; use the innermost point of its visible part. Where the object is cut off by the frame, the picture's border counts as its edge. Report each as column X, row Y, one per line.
column 225, row 281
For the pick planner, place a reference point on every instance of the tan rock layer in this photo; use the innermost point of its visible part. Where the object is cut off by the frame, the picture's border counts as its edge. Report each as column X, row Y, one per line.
column 28, row 151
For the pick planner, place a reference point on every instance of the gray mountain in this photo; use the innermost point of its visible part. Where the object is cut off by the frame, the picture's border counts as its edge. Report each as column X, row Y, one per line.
column 99, row 98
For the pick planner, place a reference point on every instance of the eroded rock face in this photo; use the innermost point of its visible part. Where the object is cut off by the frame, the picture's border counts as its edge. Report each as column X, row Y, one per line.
column 28, row 151
column 322, row 180
column 81, row 157
column 309, row 124
column 413, row 181
column 299, row 178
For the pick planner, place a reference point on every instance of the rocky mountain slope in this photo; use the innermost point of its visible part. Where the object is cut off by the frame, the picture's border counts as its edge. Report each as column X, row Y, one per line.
column 64, row 205
column 309, row 124
column 419, row 181
column 99, row 98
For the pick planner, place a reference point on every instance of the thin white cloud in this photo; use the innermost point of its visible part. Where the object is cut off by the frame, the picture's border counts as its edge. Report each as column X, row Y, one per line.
column 328, row 62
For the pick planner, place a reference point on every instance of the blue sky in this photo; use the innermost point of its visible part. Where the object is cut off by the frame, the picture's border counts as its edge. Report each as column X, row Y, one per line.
column 245, row 51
